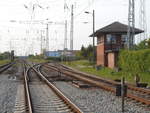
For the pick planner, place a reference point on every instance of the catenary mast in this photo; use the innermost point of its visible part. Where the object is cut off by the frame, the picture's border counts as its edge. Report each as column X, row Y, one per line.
column 131, row 24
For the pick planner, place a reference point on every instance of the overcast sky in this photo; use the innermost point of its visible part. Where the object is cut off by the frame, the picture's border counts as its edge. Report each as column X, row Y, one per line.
column 25, row 38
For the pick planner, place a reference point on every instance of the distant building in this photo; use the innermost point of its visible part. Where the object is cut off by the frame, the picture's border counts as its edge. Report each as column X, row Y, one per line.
column 69, row 53
column 110, row 40
column 52, row 54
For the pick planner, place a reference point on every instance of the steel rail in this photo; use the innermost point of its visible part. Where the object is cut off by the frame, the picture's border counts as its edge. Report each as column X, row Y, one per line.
column 73, row 107
column 141, row 90
column 106, row 87
column 96, row 83
column 1, row 66
column 140, row 99
column 27, row 92
column 6, row 66
column 109, row 81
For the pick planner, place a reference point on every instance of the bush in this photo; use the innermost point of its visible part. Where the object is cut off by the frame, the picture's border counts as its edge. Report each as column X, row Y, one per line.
column 36, row 56
column 135, row 61
column 54, row 58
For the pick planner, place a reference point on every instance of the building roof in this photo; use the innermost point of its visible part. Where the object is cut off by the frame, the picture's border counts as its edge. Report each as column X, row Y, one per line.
column 115, row 27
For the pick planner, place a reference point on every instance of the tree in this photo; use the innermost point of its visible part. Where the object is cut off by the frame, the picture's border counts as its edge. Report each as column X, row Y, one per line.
column 90, row 52
column 87, row 53
column 145, row 44
column 5, row 55
column 83, row 52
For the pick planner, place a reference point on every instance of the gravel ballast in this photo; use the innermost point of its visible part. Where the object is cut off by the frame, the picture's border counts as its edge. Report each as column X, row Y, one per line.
column 8, row 91
column 97, row 100
column 8, row 88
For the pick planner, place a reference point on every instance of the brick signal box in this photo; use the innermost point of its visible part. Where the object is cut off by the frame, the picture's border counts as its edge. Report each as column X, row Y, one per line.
column 110, row 40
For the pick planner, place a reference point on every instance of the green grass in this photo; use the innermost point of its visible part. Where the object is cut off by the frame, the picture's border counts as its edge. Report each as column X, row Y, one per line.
column 37, row 60
column 2, row 62
column 85, row 66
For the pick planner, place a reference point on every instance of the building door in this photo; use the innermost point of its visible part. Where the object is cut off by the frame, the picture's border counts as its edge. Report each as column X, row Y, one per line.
column 111, row 60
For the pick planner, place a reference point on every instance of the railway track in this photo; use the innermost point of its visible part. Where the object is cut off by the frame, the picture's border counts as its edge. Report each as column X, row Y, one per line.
column 138, row 94
column 20, row 103
column 41, row 96
column 23, row 102
column 6, row 66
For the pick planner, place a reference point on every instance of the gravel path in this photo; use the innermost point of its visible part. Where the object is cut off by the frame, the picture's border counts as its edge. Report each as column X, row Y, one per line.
column 97, row 100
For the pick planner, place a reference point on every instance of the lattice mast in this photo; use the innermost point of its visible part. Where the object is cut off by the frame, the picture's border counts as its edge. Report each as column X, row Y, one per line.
column 131, row 24
column 71, row 28
column 47, row 37
column 65, row 39
column 142, row 20
column 41, row 41
column 65, row 28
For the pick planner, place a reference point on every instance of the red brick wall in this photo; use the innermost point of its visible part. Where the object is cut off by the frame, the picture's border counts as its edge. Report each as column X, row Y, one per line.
column 100, row 52
column 100, row 55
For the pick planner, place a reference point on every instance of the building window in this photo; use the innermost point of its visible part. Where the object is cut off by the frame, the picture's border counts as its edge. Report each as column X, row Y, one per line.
column 100, row 40
column 124, row 38
column 110, row 39
column 113, row 39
